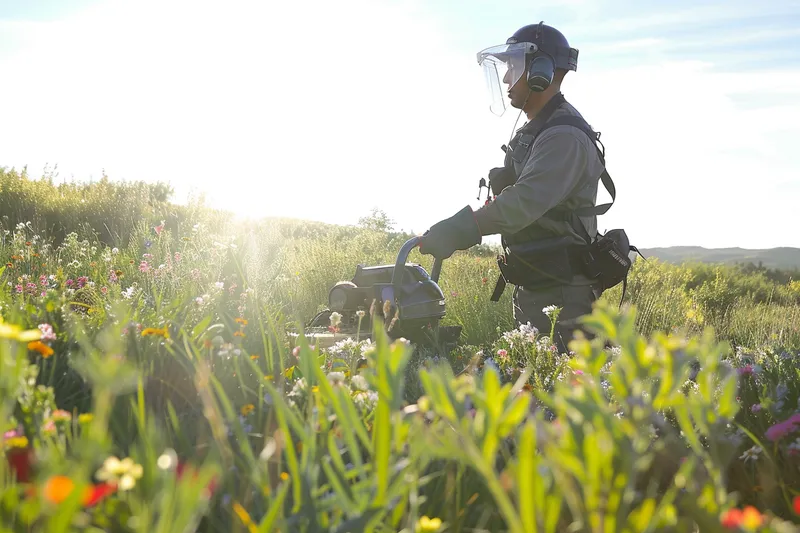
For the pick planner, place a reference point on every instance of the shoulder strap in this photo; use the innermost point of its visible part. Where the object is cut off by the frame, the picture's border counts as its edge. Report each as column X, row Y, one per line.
column 582, row 125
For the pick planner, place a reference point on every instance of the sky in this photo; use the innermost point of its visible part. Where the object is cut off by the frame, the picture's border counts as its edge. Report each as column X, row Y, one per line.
column 324, row 110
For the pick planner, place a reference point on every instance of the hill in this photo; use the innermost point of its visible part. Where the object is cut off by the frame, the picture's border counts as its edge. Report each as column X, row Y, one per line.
column 783, row 258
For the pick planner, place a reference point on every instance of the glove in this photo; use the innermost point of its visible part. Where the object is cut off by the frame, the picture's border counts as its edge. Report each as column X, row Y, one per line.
column 500, row 178
column 458, row 232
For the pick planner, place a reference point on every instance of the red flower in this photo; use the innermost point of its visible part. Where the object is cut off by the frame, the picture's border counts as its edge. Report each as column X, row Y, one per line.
column 796, row 504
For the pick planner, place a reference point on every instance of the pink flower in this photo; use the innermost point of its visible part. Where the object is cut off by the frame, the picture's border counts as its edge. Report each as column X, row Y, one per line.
column 177, row 257
column 502, row 353
column 781, row 429
column 104, row 289
column 144, row 267
column 69, row 283
column 746, row 370
column 83, row 280
column 578, row 372
column 159, row 228
column 47, row 332
column 755, row 408
column 19, row 288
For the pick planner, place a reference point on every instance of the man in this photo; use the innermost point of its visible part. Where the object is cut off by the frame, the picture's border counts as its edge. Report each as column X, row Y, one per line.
column 548, row 175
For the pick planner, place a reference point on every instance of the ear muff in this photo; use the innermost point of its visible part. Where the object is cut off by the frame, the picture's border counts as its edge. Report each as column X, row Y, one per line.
column 542, row 67
column 541, row 71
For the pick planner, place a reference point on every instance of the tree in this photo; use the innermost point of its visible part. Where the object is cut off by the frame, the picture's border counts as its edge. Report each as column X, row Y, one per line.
column 377, row 220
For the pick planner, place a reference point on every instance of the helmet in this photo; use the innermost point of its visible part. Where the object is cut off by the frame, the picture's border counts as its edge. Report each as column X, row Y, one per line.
column 537, row 49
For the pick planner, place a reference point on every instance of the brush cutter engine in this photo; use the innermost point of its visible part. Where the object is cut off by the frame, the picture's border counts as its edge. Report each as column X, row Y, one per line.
column 403, row 296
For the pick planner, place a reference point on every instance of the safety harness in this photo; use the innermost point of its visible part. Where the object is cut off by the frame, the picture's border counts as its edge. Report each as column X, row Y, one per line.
column 534, row 258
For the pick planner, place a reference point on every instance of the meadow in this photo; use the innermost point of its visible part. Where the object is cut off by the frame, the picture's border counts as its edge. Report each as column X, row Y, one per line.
column 148, row 384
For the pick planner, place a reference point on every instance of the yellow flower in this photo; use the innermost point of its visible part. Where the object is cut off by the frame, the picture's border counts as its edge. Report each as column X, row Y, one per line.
column 85, row 418
column 155, row 331
column 284, row 476
column 751, row 517
column 17, row 442
column 241, row 320
column 12, row 331
column 244, row 516
column 428, row 525
column 254, row 357
column 247, row 409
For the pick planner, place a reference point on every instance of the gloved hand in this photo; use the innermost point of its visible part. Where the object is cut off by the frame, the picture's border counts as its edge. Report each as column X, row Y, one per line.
column 458, row 232
column 500, row 178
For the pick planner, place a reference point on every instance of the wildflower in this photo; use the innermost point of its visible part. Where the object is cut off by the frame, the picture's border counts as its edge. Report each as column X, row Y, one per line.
column 155, row 331
column 781, row 429
column 42, row 348
column 284, row 476
column 746, row 370
column 336, row 378
column 198, row 301
column 428, row 525
column 247, row 409
column 115, row 250
column 85, row 418
column 123, row 473
column 336, row 319
column 168, row 460
column 144, row 267
column 756, row 407
column 796, row 504
column 16, row 442
column 58, row 488
column 220, row 285
column 49, row 427
column 549, row 310
column 240, row 320
column 158, row 229
column 47, row 332
column 751, row 454
column 60, row 415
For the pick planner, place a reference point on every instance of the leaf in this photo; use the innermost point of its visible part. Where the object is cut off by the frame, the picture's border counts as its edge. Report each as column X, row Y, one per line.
column 525, row 475
column 268, row 522
column 513, row 415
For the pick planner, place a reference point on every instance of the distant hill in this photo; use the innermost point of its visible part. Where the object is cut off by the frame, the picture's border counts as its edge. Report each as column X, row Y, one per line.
column 783, row 258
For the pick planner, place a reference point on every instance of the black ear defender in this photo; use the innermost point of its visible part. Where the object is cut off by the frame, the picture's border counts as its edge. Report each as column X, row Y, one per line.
column 542, row 67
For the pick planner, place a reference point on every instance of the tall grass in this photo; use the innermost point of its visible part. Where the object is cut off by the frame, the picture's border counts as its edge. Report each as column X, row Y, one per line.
column 166, row 346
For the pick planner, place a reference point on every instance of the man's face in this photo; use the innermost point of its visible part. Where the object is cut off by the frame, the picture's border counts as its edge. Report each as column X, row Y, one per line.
column 519, row 91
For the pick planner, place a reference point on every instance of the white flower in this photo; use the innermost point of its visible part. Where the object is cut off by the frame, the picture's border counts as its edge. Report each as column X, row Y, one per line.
column 751, row 454
column 115, row 251
column 549, row 310
column 168, row 460
column 124, row 472
column 359, row 383
column 336, row 319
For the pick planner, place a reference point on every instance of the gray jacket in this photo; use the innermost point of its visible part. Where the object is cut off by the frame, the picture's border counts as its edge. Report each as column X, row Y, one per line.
column 562, row 169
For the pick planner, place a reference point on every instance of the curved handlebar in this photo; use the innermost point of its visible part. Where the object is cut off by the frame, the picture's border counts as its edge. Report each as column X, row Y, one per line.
column 402, row 257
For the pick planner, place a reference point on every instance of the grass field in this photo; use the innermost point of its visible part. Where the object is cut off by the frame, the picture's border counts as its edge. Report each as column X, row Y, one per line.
column 147, row 384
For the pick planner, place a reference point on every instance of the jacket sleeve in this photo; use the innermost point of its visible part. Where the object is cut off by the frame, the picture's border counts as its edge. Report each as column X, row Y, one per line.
column 555, row 168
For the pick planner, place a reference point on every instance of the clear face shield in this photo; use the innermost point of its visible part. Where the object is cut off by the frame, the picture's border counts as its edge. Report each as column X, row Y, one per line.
column 503, row 65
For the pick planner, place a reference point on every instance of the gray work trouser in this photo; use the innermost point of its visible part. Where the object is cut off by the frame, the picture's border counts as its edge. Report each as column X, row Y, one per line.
column 574, row 301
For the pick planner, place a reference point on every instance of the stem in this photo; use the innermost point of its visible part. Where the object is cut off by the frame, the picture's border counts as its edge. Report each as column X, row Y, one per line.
column 503, row 502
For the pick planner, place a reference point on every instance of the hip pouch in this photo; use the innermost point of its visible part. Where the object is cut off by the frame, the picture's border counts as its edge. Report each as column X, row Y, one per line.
column 553, row 261
column 606, row 259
